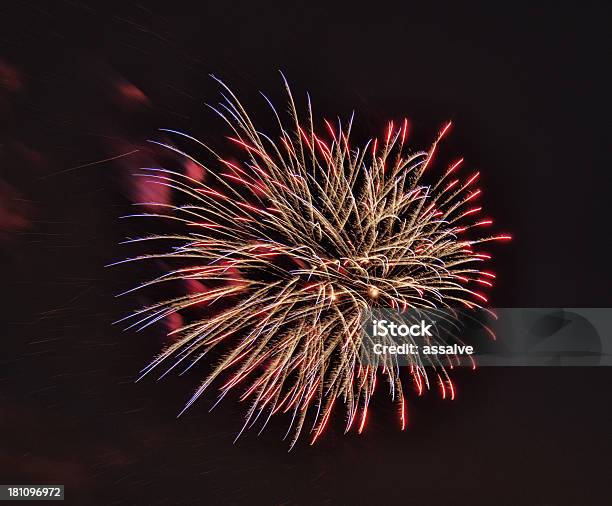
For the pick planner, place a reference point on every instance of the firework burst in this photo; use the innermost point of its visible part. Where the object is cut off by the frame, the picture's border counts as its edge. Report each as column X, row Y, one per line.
column 294, row 245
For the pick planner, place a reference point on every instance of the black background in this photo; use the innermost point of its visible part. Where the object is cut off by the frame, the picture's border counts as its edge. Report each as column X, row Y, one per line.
column 527, row 89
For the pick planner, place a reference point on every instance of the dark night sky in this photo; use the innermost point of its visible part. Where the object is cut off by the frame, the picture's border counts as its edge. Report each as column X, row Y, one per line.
column 527, row 88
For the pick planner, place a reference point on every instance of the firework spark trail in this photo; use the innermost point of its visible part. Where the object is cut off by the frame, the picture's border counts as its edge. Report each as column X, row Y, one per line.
column 303, row 238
